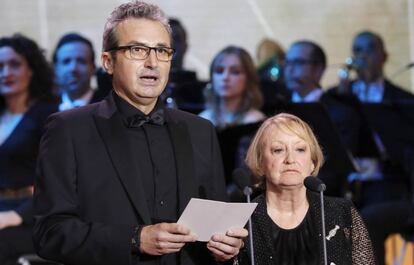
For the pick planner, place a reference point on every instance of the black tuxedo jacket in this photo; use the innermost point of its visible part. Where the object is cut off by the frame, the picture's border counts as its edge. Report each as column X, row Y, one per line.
column 393, row 93
column 86, row 197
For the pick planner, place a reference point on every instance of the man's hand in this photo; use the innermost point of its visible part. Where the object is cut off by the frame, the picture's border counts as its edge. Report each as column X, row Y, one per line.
column 164, row 238
column 9, row 218
column 225, row 247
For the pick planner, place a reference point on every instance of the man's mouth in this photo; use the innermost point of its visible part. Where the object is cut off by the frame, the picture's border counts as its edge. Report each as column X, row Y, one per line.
column 149, row 78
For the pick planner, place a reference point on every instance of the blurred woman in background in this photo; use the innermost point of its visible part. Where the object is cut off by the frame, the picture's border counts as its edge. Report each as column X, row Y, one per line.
column 26, row 100
column 233, row 96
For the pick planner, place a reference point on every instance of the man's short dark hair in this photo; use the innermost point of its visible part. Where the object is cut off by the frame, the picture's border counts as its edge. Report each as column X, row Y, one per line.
column 373, row 35
column 175, row 23
column 318, row 56
column 73, row 37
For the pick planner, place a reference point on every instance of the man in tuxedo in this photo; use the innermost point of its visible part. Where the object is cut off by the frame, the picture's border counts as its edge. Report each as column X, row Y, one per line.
column 74, row 65
column 184, row 90
column 115, row 176
column 371, row 85
column 385, row 199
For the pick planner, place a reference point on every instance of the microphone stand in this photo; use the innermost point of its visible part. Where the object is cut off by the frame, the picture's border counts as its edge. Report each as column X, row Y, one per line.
column 325, row 252
column 248, row 191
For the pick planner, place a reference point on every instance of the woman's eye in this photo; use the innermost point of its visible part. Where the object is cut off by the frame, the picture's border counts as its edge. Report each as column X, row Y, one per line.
column 15, row 64
column 218, row 70
column 277, row 150
column 235, row 72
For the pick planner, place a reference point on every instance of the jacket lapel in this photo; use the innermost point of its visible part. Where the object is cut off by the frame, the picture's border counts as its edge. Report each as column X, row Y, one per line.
column 110, row 127
column 184, row 160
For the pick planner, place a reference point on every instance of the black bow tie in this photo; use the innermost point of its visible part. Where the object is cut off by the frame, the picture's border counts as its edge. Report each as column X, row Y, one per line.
column 136, row 121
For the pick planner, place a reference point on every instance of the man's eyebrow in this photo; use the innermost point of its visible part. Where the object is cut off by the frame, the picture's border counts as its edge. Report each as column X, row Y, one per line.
column 146, row 44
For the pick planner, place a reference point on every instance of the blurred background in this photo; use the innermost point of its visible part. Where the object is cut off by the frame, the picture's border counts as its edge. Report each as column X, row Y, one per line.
column 213, row 24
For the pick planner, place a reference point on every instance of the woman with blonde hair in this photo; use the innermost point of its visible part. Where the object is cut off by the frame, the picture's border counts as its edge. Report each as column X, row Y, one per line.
column 287, row 221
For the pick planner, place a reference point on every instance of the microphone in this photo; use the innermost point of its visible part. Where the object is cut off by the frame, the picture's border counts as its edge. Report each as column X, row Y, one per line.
column 316, row 185
column 401, row 70
column 241, row 178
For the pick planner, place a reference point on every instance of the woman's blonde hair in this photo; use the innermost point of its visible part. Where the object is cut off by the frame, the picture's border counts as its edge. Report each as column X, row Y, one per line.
column 288, row 123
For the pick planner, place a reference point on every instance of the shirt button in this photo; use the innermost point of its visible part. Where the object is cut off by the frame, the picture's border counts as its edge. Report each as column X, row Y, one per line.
column 161, row 203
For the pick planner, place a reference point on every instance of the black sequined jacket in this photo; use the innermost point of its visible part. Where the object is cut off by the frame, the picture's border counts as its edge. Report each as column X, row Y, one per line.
column 350, row 244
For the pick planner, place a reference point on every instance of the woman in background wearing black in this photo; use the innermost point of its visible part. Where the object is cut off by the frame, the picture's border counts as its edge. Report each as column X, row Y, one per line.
column 26, row 82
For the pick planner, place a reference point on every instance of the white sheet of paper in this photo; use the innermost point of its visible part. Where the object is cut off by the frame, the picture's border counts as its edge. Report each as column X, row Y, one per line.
column 206, row 217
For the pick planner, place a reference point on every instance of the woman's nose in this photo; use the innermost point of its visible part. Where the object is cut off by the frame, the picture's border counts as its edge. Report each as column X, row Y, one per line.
column 289, row 157
column 5, row 70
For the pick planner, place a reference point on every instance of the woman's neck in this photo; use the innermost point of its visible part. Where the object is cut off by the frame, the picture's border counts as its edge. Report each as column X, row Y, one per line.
column 287, row 208
column 17, row 103
column 230, row 105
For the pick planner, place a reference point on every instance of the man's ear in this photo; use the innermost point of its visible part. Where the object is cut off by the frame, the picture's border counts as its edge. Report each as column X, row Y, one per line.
column 107, row 62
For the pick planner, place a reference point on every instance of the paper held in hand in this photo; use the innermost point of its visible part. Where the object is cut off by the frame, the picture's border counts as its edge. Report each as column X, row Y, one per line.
column 206, row 218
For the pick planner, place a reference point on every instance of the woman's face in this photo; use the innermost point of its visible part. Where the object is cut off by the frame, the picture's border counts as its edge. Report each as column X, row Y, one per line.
column 15, row 73
column 229, row 77
column 286, row 160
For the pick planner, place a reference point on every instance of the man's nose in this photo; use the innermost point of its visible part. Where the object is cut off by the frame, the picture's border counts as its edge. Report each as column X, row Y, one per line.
column 73, row 65
column 151, row 61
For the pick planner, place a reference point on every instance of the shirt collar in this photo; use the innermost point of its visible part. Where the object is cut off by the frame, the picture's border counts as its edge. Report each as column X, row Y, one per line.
column 312, row 96
column 127, row 110
column 372, row 92
column 67, row 103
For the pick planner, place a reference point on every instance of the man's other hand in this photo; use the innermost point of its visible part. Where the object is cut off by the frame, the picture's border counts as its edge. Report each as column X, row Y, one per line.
column 225, row 247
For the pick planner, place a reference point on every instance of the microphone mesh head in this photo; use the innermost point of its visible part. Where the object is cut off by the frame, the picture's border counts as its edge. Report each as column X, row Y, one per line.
column 314, row 184
column 241, row 178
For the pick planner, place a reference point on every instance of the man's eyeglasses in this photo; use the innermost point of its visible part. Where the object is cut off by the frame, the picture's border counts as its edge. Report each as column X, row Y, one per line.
column 141, row 52
column 298, row 62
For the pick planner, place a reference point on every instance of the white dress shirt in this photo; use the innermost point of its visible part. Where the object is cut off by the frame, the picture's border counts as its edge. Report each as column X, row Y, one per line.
column 369, row 93
column 67, row 103
column 312, row 96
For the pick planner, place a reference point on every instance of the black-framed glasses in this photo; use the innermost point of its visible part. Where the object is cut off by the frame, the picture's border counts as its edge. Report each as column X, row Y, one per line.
column 141, row 52
column 298, row 62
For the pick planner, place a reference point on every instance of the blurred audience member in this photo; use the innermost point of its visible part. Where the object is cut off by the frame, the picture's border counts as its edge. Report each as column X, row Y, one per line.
column 74, row 64
column 270, row 64
column 26, row 82
column 179, row 35
column 369, row 58
column 384, row 202
column 304, row 67
column 184, row 90
column 234, row 95
column 270, row 60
